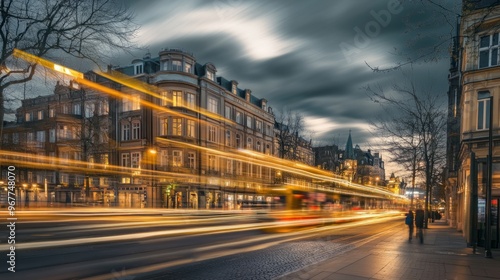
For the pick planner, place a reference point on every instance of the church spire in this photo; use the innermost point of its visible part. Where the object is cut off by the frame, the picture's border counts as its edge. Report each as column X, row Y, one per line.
column 349, row 152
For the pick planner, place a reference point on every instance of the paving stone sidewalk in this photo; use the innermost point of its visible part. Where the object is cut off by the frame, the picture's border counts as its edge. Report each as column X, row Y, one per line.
column 444, row 255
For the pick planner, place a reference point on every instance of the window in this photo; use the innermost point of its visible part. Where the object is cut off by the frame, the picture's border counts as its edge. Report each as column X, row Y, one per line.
column 239, row 117
column 52, row 112
column 177, row 158
column 63, row 132
column 104, row 108
column 89, row 110
column 28, row 117
column 187, row 67
column 249, row 122
column 268, row 130
column 190, row 128
column 64, row 178
column 138, row 69
column 40, row 136
column 258, row 126
column 211, row 75
column 77, row 110
column 488, row 50
column 91, row 161
column 192, row 160
column 164, row 126
column 229, row 166
column 135, row 160
column 163, row 158
column 126, row 160
column 268, row 149
column 65, row 109
column 238, row 141
column 249, row 143
column 239, row 168
column 163, row 98
column 126, row 180
column 212, row 105
column 190, row 100
column 40, row 115
column 483, row 110
column 105, row 159
column 177, row 126
column 212, row 163
column 234, row 89
column 258, row 147
column 136, row 130
column 131, row 104
column 176, row 65
column 227, row 112
column 212, row 133
column 228, row 138
column 52, row 135
column 125, row 132
column 177, row 98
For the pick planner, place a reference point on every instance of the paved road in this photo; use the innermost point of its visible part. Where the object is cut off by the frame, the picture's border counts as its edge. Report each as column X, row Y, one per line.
column 215, row 246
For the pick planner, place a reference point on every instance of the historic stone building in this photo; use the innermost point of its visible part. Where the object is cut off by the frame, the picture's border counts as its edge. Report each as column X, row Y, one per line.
column 70, row 125
column 198, row 123
column 474, row 94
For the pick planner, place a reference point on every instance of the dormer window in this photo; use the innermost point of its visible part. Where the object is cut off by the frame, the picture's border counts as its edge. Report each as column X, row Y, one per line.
column 234, row 87
column 264, row 104
column 210, row 75
column 247, row 95
column 138, row 69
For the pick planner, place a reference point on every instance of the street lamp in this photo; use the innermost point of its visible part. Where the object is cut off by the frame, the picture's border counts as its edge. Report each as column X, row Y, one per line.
column 487, row 245
column 152, row 153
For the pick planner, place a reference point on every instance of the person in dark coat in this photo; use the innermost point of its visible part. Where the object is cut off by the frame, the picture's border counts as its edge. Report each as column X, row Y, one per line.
column 419, row 218
column 409, row 222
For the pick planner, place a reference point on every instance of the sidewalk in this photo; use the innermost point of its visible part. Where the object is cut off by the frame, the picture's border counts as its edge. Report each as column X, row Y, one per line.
column 444, row 255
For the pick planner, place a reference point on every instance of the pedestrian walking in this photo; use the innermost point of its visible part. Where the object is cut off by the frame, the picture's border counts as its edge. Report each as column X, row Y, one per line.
column 409, row 222
column 419, row 223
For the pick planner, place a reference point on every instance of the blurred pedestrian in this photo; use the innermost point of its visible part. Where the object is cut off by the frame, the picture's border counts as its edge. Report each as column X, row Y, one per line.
column 419, row 223
column 409, row 222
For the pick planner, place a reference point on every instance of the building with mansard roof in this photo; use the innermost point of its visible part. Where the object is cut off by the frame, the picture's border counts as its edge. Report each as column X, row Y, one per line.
column 201, row 120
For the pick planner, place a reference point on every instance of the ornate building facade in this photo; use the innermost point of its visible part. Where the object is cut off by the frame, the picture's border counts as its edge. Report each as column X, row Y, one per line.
column 474, row 94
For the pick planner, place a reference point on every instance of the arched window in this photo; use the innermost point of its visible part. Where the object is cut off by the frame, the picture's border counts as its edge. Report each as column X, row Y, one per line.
column 249, row 143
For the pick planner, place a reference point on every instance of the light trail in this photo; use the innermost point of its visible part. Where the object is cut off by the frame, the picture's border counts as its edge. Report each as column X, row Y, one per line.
column 192, row 231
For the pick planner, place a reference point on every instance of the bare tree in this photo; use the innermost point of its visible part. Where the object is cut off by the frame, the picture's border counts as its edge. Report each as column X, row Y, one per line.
column 415, row 131
column 83, row 29
column 289, row 127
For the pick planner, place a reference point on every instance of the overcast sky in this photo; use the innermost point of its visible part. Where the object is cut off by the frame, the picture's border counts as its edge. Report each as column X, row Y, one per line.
column 309, row 56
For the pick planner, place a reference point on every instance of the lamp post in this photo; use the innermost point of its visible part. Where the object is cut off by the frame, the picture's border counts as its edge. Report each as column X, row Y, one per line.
column 152, row 153
column 487, row 239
